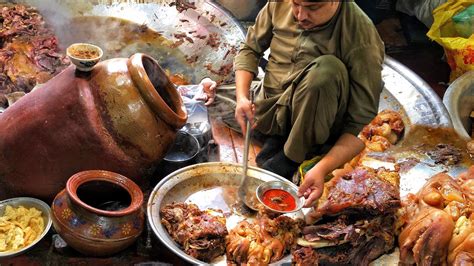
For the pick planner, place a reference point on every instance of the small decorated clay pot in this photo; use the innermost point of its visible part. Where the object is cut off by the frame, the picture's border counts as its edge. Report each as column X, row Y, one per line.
column 99, row 213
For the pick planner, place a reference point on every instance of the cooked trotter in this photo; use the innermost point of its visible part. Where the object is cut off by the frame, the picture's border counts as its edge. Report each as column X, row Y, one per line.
column 440, row 190
column 378, row 144
column 264, row 241
column 461, row 247
column 387, row 123
column 466, row 181
column 425, row 240
column 436, row 229
column 201, row 234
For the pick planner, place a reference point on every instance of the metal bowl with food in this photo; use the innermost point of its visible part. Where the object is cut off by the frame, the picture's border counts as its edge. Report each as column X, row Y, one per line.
column 208, row 185
column 42, row 211
column 280, row 197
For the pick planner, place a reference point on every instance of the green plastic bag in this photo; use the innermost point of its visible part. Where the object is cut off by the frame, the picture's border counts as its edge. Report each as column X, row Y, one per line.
column 464, row 22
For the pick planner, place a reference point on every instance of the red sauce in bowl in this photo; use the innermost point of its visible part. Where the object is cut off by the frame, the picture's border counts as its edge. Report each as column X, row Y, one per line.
column 279, row 200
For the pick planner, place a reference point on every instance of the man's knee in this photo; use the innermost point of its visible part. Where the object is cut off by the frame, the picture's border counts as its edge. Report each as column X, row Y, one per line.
column 326, row 72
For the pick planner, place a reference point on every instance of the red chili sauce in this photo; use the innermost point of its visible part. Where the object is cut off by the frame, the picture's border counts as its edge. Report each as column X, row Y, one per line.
column 278, row 199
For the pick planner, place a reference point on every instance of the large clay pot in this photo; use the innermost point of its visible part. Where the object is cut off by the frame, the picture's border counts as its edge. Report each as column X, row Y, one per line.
column 99, row 213
column 122, row 116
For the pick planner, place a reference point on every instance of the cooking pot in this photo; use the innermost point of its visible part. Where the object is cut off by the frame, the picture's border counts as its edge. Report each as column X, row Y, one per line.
column 122, row 116
column 459, row 100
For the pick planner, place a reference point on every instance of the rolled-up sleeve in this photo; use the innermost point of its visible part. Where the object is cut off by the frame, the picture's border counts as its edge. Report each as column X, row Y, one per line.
column 365, row 74
column 257, row 41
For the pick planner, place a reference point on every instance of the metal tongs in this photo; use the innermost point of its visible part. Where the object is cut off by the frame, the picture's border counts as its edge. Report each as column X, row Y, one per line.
column 248, row 185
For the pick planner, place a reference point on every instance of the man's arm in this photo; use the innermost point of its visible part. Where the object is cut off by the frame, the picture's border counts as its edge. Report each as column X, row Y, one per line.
column 346, row 148
column 246, row 63
column 244, row 108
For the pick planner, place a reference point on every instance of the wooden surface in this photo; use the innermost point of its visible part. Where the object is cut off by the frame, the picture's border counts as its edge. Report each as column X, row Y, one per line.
column 231, row 144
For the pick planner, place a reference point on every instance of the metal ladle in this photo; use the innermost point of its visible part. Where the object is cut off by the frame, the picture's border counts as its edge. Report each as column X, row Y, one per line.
column 248, row 185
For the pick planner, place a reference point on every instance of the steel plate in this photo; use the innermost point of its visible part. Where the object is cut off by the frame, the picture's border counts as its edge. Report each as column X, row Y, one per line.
column 208, row 185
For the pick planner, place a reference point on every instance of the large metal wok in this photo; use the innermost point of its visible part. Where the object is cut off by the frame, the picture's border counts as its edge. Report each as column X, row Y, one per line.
column 197, row 42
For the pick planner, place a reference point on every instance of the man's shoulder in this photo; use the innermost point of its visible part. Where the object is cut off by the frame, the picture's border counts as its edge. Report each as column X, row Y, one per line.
column 358, row 29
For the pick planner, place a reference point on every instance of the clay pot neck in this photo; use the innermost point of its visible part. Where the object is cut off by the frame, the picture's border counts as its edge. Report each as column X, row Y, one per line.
column 104, row 193
column 157, row 90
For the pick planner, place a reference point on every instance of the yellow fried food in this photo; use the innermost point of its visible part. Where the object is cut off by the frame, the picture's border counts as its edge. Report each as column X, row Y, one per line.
column 19, row 227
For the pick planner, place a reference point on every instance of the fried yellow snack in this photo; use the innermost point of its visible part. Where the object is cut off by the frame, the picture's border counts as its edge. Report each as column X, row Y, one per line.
column 19, row 227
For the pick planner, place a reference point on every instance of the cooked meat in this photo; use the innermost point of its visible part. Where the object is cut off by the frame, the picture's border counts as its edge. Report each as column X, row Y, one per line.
column 355, row 217
column 387, row 124
column 466, row 181
column 470, row 148
column 350, row 240
column 339, row 230
column 264, row 241
column 183, row 5
column 29, row 52
column 201, row 234
column 425, row 240
column 438, row 222
column 461, row 246
column 445, row 154
column 362, row 190
column 383, row 131
column 305, row 256
column 213, row 40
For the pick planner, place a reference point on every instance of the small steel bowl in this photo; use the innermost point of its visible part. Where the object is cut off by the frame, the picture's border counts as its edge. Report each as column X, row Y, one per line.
column 27, row 203
column 182, row 153
column 84, row 55
column 286, row 186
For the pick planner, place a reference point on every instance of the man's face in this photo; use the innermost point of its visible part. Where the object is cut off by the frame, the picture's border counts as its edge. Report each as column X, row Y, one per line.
column 310, row 14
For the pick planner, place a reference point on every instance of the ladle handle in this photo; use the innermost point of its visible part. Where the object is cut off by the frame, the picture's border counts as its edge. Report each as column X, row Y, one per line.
column 247, row 140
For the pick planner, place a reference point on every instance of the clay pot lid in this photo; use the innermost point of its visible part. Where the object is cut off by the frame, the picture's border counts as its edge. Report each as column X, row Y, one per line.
column 80, row 178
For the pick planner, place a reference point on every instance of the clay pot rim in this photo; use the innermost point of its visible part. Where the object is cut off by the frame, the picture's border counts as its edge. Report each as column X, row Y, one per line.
column 157, row 104
column 82, row 177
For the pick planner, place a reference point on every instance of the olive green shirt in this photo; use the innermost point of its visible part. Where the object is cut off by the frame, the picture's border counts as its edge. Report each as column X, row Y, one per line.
column 349, row 35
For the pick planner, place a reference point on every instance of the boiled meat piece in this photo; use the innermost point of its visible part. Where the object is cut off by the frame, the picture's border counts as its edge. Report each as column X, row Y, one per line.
column 362, row 190
column 201, row 234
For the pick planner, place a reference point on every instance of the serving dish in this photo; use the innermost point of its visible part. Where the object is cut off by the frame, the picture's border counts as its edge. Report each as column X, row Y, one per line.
column 208, row 185
column 282, row 190
column 27, row 203
column 459, row 100
column 84, row 55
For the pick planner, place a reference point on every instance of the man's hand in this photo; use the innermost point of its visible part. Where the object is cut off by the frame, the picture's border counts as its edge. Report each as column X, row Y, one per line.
column 244, row 109
column 346, row 147
column 208, row 94
column 312, row 187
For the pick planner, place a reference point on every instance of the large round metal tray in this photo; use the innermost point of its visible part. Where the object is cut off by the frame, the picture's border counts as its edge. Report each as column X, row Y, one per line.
column 208, row 185
column 405, row 92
